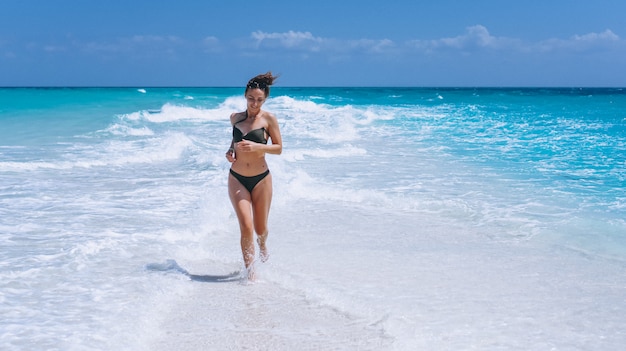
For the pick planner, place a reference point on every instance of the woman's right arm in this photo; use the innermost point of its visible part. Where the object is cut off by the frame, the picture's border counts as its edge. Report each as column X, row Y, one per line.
column 230, row 154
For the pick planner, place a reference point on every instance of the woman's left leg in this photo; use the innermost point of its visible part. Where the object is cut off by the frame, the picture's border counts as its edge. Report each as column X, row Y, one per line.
column 261, row 201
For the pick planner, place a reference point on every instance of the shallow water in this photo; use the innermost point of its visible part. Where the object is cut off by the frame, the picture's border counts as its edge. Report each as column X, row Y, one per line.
column 402, row 219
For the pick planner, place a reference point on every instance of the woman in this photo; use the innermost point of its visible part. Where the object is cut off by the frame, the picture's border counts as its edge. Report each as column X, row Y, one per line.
column 250, row 182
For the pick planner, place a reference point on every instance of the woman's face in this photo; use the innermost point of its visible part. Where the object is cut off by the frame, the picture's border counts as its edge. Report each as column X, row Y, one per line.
column 255, row 98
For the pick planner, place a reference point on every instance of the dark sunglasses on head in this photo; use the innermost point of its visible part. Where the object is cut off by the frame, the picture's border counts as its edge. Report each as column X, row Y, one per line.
column 256, row 85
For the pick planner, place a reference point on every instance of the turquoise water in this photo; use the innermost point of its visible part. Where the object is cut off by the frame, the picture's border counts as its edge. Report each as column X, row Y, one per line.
column 408, row 210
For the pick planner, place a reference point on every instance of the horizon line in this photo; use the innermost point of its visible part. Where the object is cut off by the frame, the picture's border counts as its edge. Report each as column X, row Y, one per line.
column 311, row 86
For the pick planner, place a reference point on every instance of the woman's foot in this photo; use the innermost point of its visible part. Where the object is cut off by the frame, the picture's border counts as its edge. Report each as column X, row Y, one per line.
column 263, row 254
column 251, row 274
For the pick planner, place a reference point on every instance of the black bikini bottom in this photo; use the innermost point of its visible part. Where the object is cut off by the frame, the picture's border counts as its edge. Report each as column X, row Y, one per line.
column 249, row 182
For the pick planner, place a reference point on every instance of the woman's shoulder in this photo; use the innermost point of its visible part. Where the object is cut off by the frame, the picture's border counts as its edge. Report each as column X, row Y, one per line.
column 236, row 117
column 270, row 117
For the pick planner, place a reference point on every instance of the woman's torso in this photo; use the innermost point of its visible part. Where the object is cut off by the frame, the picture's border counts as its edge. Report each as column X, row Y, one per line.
column 250, row 163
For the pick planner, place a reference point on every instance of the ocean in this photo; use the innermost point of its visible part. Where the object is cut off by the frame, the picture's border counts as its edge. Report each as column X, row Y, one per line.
column 402, row 219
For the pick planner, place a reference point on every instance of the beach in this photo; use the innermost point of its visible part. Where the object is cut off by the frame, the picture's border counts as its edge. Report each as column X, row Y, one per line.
column 402, row 219
column 447, row 294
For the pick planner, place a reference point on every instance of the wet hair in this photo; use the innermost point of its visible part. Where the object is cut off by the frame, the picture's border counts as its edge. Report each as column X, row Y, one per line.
column 262, row 81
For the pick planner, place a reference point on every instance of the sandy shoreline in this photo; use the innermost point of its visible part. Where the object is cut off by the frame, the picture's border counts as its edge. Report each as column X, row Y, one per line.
column 442, row 290
column 260, row 316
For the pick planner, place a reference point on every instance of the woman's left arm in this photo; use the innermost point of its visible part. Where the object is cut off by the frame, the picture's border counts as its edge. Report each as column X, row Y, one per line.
column 276, row 147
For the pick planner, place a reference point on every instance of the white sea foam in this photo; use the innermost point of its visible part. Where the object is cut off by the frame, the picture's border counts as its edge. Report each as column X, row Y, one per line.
column 116, row 153
column 119, row 129
column 342, row 151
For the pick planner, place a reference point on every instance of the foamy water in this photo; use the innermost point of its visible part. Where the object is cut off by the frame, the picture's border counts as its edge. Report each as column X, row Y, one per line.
column 402, row 219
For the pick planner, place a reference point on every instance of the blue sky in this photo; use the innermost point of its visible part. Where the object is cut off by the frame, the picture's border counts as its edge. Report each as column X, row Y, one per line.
column 313, row 43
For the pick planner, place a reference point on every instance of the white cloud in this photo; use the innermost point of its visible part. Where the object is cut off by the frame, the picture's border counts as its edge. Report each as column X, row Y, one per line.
column 374, row 46
column 589, row 41
column 290, row 39
column 607, row 35
column 152, row 40
column 210, row 40
column 475, row 38
column 305, row 41
column 136, row 42
column 54, row 48
column 211, row 44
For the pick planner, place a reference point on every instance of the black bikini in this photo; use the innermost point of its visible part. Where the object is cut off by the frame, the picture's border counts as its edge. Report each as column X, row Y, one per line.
column 257, row 136
column 249, row 182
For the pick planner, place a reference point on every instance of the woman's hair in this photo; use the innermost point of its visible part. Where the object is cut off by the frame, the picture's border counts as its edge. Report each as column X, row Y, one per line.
column 262, row 81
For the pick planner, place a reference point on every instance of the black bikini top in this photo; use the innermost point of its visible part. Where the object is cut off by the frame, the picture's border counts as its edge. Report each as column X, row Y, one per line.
column 255, row 135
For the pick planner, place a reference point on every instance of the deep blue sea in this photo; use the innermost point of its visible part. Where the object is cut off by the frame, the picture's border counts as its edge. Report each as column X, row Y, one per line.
column 402, row 219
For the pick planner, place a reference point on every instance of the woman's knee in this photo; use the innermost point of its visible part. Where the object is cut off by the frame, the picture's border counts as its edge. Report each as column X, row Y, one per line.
column 260, row 221
column 261, row 229
column 246, row 226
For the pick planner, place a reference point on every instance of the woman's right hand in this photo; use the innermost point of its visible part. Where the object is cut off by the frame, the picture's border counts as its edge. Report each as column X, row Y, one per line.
column 230, row 155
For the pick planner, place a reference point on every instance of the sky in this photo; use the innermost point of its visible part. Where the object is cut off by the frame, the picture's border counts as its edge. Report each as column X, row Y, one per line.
column 451, row 43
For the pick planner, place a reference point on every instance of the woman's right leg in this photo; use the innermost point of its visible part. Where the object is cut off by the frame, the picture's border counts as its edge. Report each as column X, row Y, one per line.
column 241, row 200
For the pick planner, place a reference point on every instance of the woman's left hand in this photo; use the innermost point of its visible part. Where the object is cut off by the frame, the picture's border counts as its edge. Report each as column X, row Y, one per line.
column 247, row 146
